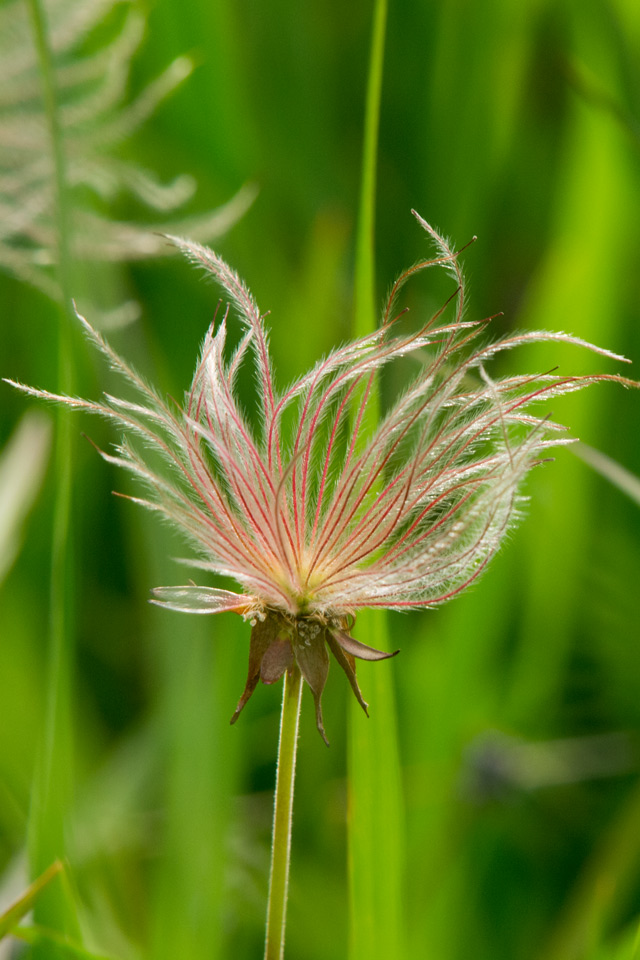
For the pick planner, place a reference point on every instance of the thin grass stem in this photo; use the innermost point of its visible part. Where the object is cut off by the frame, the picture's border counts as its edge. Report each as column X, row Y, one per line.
column 52, row 781
column 282, row 816
column 364, row 293
column 376, row 849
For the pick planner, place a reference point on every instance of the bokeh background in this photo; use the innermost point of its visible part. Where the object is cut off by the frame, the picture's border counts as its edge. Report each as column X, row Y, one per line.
column 519, row 703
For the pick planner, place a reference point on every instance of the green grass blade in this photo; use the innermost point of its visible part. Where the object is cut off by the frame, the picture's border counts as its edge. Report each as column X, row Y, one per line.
column 606, row 881
column 376, row 820
column 52, row 788
column 19, row 909
column 52, row 940
column 364, row 292
column 375, row 796
column 610, row 469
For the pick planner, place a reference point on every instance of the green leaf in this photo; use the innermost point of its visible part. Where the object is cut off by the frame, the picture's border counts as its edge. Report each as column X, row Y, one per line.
column 376, row 815
column 43, row 937
column 14, row 914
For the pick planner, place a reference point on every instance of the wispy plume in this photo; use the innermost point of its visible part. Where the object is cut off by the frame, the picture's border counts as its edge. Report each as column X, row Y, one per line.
column 96, row 119
column 314, row 513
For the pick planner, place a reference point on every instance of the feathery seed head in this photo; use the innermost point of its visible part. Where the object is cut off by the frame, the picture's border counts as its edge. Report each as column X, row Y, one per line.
column 318, row 521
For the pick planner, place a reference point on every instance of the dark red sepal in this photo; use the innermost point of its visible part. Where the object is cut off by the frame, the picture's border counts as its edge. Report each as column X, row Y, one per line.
column 348, row 664
column 313, row 659
column 360, row 650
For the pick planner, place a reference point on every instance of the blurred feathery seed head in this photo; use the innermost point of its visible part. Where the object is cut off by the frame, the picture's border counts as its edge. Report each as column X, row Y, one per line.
column 316, row 511
column 96, row 118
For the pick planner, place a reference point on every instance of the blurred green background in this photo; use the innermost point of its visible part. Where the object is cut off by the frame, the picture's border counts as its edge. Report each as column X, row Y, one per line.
column 518, row 704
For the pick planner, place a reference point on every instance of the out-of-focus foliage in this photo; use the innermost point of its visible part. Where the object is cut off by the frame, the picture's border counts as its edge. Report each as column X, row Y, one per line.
column 92, row 50
column 515, row 122
column 22, row 466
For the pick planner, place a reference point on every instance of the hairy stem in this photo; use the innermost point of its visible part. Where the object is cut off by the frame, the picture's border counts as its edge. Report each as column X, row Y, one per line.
column 282, row 815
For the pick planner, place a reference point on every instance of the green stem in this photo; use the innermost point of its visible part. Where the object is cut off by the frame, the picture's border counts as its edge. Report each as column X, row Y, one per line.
column 365, row 312
column 52, row 781
column 56, row 138
column 283, row 808
column 376, row 803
